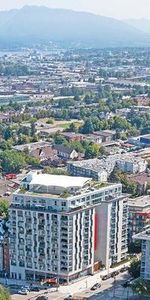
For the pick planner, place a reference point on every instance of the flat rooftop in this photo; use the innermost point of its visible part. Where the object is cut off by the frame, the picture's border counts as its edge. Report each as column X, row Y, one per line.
column 60, row 186
column 145, row 235
column 58, row 180
column 141, row 202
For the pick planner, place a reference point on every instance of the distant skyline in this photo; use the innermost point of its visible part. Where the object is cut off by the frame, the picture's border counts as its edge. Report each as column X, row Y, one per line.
column 120, row 9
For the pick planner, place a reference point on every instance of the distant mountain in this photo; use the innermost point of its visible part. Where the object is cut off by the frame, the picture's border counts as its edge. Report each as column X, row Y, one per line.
column 140, row 24
column 33, row 24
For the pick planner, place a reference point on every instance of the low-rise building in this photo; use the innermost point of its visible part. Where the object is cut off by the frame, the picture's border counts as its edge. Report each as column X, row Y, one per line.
column 65, row 152
column 88, row 168
column 131, row 164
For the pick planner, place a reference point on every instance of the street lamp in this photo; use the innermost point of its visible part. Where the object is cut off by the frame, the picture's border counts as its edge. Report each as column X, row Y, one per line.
column 114, row 289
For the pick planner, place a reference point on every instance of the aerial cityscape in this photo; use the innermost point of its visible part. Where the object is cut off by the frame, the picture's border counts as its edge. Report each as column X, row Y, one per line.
column 74, row 151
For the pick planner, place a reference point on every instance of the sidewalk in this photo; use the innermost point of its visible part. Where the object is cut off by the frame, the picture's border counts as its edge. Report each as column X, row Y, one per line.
column 88, row 281
column 82, row 284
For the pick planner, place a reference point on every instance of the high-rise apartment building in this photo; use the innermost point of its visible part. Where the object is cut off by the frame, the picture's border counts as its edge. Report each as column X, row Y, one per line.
column 144, row 237
column 61, row 226
column 139, row 215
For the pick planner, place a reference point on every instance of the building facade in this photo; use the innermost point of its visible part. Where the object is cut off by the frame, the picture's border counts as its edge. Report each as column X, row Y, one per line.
column 144, row 237
column 62, row 225
column 139, row 215
column 88, row 168
column 133, row 165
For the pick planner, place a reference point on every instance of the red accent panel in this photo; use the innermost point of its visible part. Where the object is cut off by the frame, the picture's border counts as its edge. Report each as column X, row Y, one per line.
column 95, row 231
column 145, row 214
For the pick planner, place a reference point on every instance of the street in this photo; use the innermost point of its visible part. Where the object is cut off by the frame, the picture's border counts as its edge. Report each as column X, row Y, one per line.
column 110, row 289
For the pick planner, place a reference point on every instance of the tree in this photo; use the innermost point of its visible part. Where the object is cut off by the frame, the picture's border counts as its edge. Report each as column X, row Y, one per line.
column 4, row 205
column 7, row 133
column 87, row 127
column 59, row 139
column 33, row 127
column 141, row 287
column 4, row 294
column 77, row 146
column 92, row 151
column 33, row 161
column 76, row 98
column 50, row 121
column 134, row 269
column 12, row 161
column 73, row 128
column 5, row 145
column 23, row 139
column 54, row 171
column 135, row 247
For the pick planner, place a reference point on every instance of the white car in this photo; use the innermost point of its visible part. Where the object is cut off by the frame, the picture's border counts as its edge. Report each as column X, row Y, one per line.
column 23, row 292
column 70, row 297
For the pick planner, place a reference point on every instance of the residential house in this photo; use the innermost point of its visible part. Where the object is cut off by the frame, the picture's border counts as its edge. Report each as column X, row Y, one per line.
column 65, row 152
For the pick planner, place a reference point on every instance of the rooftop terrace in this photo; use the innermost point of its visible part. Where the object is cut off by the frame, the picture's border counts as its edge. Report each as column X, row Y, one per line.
column 58, row 186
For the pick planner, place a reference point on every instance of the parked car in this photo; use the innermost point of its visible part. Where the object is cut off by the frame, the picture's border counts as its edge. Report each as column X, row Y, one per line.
column 70, row 297
column 123, row 269
column 23, row 292
column 105, row 277
column 7, row 194
column 127, row 283
column 95, row 286
column 42, row 298
column 115, row 273
column 34, row 289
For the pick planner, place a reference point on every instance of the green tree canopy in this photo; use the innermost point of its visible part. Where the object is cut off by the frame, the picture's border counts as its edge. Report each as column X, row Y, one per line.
column 92, row 151
column 4, row 294
column 60, row 139
column 134, row 269
column 87, row 127
column 4, row 205
column 12, row 161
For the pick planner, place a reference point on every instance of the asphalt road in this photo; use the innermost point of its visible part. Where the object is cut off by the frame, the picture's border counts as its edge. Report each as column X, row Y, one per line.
column 110, row 289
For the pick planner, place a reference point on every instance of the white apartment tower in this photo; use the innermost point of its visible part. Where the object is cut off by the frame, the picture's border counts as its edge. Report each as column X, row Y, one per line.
column 62, row 225
column 144, row 237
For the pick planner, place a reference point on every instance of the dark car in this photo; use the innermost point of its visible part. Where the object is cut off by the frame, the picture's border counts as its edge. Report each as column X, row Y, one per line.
column 95, row 286
column 123, row 269
column 127, row 283
column 115, row 273
column 34, row 289
column 105, row 277
column 70, row 297
column 42, row 298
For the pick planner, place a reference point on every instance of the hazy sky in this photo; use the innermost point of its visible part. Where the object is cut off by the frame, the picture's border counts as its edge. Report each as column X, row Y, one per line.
column 115, row 8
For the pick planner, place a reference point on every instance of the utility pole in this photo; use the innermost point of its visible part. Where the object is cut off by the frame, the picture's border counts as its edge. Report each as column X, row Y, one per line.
column 127, row 293
column 86, row 284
